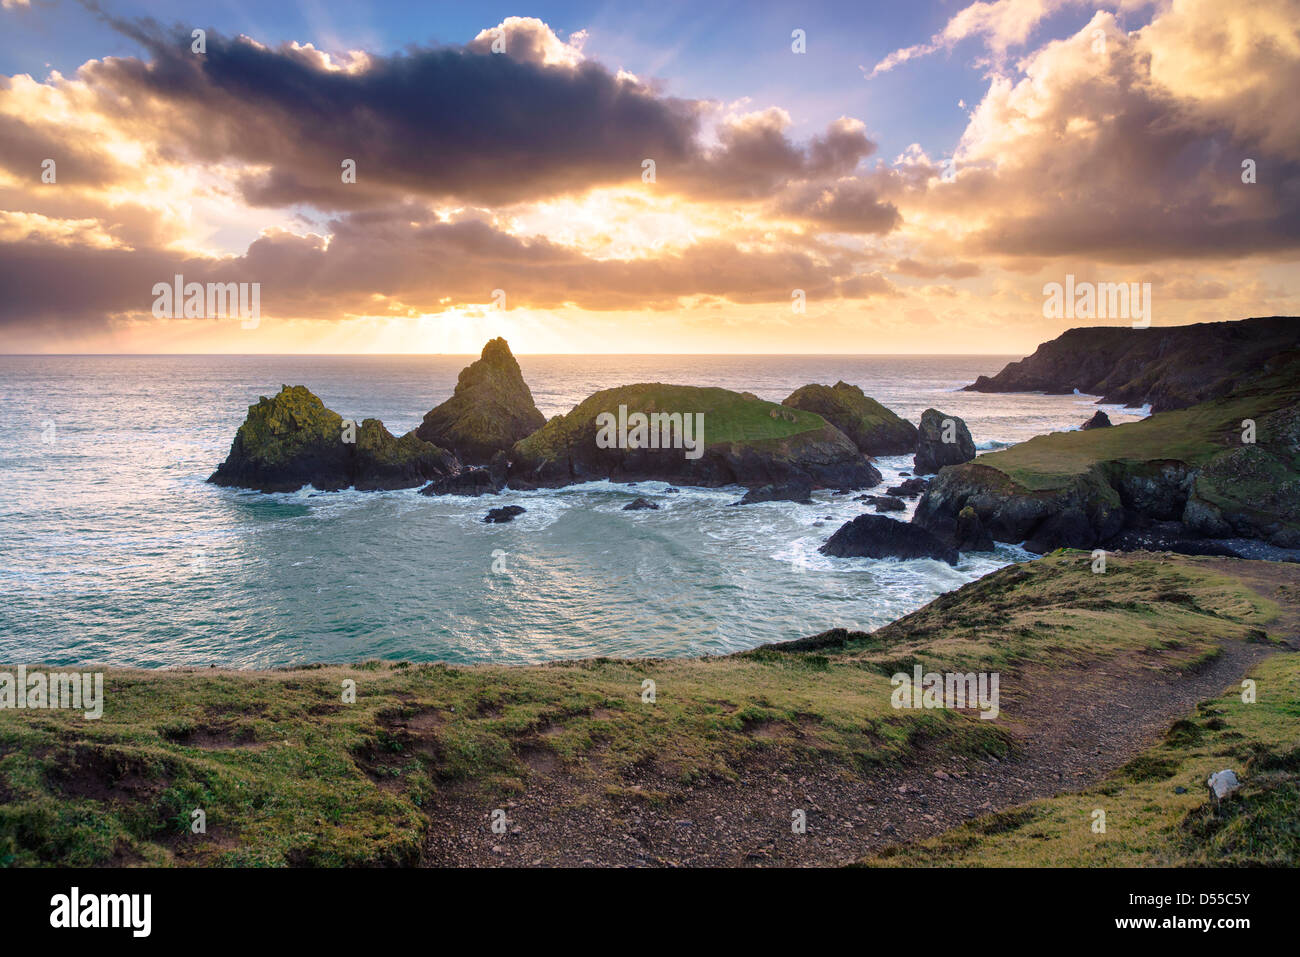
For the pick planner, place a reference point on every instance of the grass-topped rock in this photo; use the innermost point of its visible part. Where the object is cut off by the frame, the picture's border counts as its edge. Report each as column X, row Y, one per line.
column 293, row 440
column 1195, row 468
column 874, row 429
column 744, row 440
column 491, row 409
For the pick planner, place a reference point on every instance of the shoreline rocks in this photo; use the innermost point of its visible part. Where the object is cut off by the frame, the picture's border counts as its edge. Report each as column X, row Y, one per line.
column 883, row 503
column 798, row 490
column 1099, row 420
column 909, row 488
column 875, row 536
column 470, row 482
column 1241, row 494
column 506, row 513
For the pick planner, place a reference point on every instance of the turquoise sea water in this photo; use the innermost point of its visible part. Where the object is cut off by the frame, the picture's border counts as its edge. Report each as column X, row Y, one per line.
column 114, row 550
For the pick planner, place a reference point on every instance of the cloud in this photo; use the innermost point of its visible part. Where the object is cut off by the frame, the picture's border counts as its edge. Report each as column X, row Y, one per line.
column 453, row 124
column 1000, row 24
column 1104, row 150
column 445, row 123
column 848, row 206
column 522, row 171
column 937, row 270
column 379, row 262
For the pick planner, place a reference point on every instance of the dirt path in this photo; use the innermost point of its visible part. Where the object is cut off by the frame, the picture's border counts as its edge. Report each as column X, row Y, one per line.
column 1073, row 727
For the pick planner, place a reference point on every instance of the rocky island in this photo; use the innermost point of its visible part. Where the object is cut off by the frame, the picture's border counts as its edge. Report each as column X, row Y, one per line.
column 746, row 441
column 489, row 433
column 292, row 440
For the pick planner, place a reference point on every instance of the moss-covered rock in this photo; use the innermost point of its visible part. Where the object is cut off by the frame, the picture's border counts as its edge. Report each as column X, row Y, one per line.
column 874, row 429
column 746, row 441
column 293, row 440
column 1253, row 490
column 385, row 461
column 491, row 409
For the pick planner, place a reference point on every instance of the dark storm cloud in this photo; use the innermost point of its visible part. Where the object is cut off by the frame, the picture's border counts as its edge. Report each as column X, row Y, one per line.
column 439, row 122
column 457, row 123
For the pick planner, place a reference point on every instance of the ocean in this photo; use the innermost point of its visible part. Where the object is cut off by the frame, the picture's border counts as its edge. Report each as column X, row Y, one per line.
column 114, row 550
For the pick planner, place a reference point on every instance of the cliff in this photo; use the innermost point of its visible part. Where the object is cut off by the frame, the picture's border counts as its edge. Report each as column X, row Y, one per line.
column 1169, row 368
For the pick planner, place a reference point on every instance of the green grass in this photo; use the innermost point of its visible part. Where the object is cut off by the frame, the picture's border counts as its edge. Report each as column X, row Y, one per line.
column 1192, row 435
column 289, row 774
column 1149, row 823
column 728, row 416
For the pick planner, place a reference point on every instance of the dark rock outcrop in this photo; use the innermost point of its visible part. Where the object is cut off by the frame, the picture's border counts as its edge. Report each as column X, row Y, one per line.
column 970, row 535
column 909, row 488
column 798, row 490
column 874, row 429
column 1225, row 471
column 1169, row 368
column 942, row 440
column 1011, row 513
column 874, row 536
column 746, row 441
column 1099, row 420
column 883, row 503
column 471, row 482
column 491, row 409
column 640, row 504
column 1246, row 492
column 506, row 513
column 293, row 440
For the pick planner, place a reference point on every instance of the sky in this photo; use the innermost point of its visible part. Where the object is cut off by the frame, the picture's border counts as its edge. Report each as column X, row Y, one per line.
column 639, row 178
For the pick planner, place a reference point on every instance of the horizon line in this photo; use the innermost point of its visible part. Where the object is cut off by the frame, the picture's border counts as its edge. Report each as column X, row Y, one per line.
column 453, row 355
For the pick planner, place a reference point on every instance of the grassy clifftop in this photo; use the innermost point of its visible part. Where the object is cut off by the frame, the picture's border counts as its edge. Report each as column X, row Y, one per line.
column 1225, row 468
column 1193, row 435
column 287, row 773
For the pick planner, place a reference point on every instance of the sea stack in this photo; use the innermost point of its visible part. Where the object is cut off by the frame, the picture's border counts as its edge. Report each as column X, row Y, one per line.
column 943, row 440
column 1099, row 420
column 491, row 409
